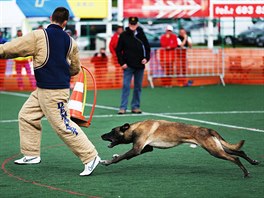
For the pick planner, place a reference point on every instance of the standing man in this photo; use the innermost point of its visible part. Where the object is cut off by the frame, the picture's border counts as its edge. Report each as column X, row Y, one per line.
column 114, row 39
column 133, row 52
column 169, row 43
column 184, row 42
column 56, row 59
column 112, row 48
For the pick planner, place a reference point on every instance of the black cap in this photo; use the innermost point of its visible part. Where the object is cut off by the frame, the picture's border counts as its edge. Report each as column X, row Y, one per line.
column 133, row 20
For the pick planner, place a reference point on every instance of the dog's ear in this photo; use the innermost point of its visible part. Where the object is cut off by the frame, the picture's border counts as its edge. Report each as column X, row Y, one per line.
column 124, row 127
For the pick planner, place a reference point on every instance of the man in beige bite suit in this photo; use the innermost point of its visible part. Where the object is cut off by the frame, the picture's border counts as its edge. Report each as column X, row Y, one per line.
column 55, row 59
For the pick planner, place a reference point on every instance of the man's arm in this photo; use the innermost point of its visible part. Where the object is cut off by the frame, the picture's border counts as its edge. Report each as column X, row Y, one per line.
column 189, row 40
column 75, row 63
column 184, row 41
column 19, row 47
column 147, row 46
column 119, row 50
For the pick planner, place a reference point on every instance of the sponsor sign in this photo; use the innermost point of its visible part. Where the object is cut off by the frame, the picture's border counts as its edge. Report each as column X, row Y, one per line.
column 77, row 8
column 238, row 10
column 166, row 8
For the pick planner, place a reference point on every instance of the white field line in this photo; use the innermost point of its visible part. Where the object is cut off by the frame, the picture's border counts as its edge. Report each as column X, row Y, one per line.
column 164, row 115
column 14, row 94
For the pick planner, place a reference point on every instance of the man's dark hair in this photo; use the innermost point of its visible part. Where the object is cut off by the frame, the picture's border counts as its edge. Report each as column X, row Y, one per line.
column 60, row 15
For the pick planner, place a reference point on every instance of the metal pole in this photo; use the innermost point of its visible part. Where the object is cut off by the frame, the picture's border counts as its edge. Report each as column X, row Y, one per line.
column 109, row 25
column 210, row 41
column 120, row 7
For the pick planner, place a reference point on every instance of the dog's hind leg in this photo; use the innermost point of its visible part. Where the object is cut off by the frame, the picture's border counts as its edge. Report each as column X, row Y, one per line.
column 241, row 154
column 214, row 147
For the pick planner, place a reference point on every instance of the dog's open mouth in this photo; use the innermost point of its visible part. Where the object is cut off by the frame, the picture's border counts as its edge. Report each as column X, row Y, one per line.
column 111, row 145
column 112, row 142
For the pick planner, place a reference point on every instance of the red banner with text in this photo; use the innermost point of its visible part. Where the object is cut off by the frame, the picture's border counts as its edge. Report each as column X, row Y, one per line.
column 166, row 8
column 239, row 10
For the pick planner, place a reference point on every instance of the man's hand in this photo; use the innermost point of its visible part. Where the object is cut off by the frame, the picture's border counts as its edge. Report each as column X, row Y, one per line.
column 124, row 66
column 144, row 61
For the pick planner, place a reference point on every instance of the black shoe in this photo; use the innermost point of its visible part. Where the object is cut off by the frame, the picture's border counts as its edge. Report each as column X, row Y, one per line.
column 137, row 111
column 121, row 111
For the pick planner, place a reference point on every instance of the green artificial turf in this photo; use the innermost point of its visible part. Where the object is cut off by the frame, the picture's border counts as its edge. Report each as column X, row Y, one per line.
column 176, row 172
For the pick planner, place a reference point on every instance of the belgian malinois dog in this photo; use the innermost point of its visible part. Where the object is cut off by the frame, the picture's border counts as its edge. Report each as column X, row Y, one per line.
column 162, row 134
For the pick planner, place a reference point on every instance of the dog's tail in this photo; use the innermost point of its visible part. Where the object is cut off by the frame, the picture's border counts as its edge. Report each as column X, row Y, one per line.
column 232, row 146
column 236, row 146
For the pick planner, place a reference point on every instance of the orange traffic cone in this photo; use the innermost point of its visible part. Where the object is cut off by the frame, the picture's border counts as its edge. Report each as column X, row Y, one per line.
column 76, row 103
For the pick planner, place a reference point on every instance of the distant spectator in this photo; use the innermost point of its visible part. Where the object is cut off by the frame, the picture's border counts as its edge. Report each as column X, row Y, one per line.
column 184, row 42
column 169, row 43
column 2, row 64
column 40, row 27
column 100, row 66
column 69, row 32
column 19, row 33
column 93, row 33
column 23, row 62
column 2, row 39
column 112, row 48
column 114, row 39
column 183, row 39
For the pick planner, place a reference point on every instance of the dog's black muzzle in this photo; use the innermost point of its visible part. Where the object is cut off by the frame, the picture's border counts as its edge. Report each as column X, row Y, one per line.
column 108, row 137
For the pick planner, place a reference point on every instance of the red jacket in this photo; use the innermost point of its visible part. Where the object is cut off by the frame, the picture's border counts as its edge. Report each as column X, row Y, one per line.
column 113, row 44
column 169, row 42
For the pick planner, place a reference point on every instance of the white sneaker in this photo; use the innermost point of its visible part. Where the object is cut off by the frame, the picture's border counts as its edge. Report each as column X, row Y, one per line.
column 28, row 160
column 89, row 167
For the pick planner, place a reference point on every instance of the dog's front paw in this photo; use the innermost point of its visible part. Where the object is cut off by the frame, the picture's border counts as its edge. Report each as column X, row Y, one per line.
column 115, row 156
column 106, row 162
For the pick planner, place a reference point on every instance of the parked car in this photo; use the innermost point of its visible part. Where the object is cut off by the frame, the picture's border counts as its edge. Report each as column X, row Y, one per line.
column 252, row 35
column 260, row 41
column 225, row 30
column 154, row 40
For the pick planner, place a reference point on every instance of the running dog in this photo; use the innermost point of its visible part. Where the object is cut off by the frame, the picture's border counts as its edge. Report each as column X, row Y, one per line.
column 162, row 134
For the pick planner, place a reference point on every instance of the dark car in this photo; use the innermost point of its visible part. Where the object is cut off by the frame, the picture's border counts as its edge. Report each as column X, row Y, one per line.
column 252, row 35
column 260, row 41
column 154, row 40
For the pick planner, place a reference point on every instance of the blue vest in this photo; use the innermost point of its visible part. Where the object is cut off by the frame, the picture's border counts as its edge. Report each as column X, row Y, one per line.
column 54, row 73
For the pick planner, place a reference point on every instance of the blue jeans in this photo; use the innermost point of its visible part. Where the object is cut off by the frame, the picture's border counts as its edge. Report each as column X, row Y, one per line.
column 138, row 78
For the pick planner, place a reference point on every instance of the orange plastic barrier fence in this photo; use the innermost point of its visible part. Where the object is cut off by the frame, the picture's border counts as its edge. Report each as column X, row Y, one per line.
column 244, row 66
column 240, row 66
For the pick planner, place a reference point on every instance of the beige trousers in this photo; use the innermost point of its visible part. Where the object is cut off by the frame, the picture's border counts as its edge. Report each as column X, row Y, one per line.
column 53, row 104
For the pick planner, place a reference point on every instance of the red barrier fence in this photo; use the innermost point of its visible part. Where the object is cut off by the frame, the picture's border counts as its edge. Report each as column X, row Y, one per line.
column 192, row 67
